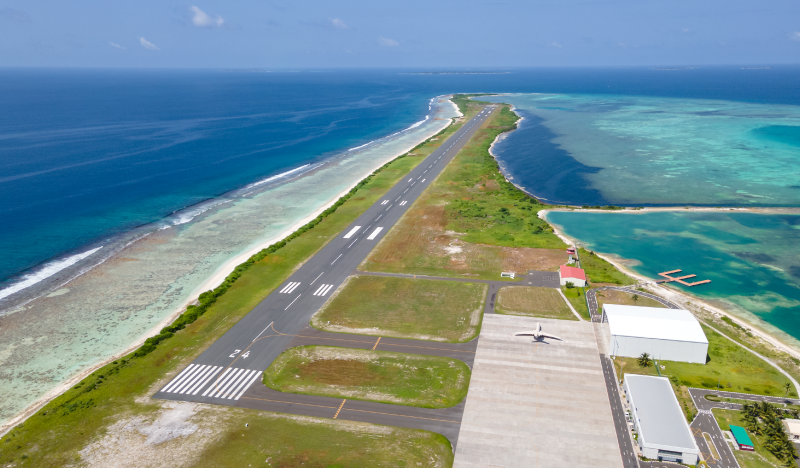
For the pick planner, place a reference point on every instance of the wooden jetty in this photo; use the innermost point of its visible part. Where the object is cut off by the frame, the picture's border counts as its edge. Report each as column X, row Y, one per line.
column 669, row 278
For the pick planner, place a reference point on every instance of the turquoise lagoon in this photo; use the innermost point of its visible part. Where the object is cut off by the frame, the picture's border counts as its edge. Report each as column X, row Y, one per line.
column 751, row 258
column 588, row 149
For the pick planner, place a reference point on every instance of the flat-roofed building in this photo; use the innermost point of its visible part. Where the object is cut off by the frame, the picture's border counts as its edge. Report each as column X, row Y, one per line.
column 658, row 419
column 792, row 428
column 668, row 334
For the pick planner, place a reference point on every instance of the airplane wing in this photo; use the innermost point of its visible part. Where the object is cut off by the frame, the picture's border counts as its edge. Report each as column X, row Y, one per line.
column 526, row 333
column 547, row 335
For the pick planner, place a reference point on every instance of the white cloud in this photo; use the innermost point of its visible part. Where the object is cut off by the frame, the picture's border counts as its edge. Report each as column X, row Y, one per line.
column 795, row 36
column 147, row 44
column 339, row 24
column 686, row 30
column 203, row 20
column 116, row 46
column 556, row 45
column 387, row 42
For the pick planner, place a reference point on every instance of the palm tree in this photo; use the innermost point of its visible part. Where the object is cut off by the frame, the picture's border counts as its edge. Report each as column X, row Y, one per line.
column 787, row 387
column 644, row 360
column 635, row 298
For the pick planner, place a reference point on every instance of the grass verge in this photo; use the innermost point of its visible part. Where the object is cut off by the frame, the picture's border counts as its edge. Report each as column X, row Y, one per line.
column 761, row 458
column 533, row 302
column 600, row 271
column 385, row 377
column 611, row 296
column 575, row 297
column 54, row 435
column 471, row 221
column 420, row 309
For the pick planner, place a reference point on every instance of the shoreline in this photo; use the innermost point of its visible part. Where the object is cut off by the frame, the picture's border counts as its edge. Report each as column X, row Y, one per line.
column 214, row 280
column 682, row 298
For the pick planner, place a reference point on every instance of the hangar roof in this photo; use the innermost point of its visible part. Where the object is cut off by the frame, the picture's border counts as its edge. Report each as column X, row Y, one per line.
column 661, row 420
column 654, row 323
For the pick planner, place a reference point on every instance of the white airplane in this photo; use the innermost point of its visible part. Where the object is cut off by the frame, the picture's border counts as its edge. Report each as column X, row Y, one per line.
column 537, row 333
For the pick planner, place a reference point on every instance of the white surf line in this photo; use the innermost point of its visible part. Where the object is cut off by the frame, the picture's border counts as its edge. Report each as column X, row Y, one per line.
column 290, row 304
column 374, row 233
column 352, row 231
column 270, row 324
column 315, row 279
column 220, row 380
column 337, row 258
column 351, row 244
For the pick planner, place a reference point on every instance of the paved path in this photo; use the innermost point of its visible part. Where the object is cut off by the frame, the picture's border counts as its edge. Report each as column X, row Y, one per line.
column 705, row 422
column 225, row 372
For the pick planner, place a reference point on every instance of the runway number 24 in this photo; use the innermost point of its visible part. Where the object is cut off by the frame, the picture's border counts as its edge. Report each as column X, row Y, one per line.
column 237, row 351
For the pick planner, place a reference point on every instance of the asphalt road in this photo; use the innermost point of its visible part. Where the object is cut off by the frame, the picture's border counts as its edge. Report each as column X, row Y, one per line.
column 626, row 449
column 226, row 370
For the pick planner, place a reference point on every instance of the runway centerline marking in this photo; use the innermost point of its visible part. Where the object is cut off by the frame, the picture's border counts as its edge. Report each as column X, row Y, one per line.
column 351, row 244
column 337, row 258
column 315, row 279
column 270, row 324
column 290, row 304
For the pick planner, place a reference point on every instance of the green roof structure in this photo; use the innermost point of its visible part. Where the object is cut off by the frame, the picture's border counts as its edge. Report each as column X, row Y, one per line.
column 740, row 434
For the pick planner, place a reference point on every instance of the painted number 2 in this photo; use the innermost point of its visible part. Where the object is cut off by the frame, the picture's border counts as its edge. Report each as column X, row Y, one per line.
column 236, row 352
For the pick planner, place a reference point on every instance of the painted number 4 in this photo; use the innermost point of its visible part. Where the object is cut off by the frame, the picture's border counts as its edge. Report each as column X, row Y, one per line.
column 244, row 356
column 236, row 352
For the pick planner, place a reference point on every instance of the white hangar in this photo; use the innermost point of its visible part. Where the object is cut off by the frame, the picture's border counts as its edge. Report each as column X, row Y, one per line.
column 664, row 334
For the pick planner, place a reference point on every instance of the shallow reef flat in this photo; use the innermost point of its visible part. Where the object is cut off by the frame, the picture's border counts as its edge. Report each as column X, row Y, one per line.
column 751, row 258
column 644, row 150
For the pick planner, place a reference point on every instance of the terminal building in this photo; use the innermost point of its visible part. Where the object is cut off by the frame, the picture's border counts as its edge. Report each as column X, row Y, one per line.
column 664, row 434
column 664, row 334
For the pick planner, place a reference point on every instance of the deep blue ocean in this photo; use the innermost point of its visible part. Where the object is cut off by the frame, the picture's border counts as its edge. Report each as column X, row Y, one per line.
column 88, row 154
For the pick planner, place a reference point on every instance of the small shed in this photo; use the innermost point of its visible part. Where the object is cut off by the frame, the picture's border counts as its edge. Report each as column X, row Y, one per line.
column 742, row 439
column 568, row 274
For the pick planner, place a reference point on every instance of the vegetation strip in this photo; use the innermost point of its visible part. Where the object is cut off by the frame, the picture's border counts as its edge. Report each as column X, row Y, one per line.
column 381, row 376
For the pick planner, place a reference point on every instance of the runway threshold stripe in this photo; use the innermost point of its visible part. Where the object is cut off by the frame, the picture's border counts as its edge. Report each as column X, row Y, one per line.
column 179, row 377
column 375, row 233
column 197, row 370
column 287, row 287
column 352, row 231
column 200, row 378
column 327, row 288
column 202, row 384
column 289, row 291
column 232, row 383
column 235, row 394
column 316, row 293
column 221, row 378
column 224, row 385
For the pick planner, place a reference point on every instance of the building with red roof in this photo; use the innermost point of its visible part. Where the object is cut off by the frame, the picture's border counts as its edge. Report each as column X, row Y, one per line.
column 572, row 275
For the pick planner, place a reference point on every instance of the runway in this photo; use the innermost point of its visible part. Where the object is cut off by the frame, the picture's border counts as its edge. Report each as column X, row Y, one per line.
column 228, row 372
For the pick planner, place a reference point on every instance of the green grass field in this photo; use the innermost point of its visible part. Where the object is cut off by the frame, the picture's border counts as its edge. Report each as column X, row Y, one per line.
column 575, row 297
column 600, row 271
column 405, row 308
column 385, row 377
column 471, row 222
column 610, row 296
column 54, row 435
column 762, row 458
column 533, row 302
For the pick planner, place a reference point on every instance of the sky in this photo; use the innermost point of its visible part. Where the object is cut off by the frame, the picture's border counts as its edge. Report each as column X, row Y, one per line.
column 430, row 34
